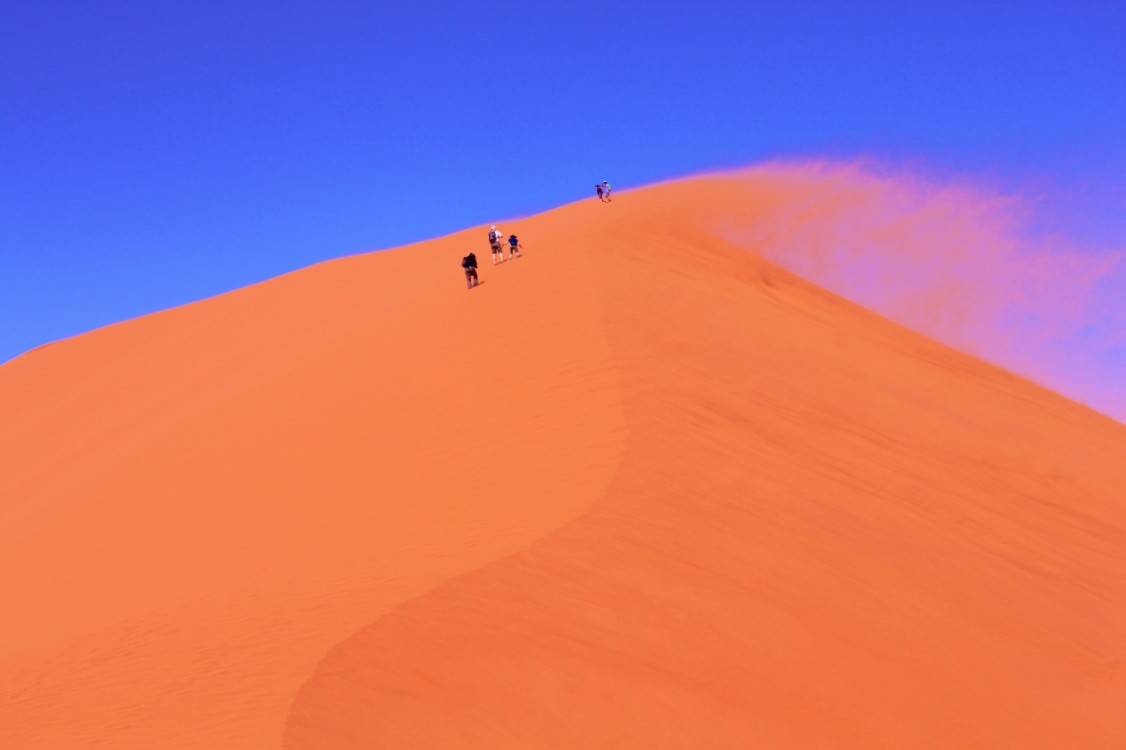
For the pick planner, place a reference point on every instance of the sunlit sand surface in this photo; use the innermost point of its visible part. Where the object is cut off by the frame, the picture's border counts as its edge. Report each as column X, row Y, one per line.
column 641, row 488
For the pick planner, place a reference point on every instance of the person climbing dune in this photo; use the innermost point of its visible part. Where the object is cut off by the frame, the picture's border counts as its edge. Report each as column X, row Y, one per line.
column 469, row 263
column 495, row 237
column 606, row 190
column 514, row 247
column 598, row 189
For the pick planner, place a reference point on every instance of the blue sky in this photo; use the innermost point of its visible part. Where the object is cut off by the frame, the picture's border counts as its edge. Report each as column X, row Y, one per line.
column 152, row 154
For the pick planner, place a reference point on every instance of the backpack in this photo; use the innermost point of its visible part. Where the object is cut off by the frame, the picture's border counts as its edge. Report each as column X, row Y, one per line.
column 493, row 237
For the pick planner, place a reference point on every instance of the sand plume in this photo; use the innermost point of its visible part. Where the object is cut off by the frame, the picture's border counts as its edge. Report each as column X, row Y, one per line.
column 955, row 261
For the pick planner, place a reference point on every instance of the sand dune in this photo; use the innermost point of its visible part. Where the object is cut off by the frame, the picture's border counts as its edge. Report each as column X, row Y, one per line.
column 641, row 488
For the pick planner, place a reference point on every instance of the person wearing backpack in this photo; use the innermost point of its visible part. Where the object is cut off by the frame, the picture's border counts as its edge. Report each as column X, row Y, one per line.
column 469, row 263
column 514, row 247
column 598, row 189
column 495, row 243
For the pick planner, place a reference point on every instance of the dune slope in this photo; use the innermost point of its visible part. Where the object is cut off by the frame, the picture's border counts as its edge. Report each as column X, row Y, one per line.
column 639, row 489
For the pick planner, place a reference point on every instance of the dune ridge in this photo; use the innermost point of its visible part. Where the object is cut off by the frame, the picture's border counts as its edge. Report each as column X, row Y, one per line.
column 642, row 488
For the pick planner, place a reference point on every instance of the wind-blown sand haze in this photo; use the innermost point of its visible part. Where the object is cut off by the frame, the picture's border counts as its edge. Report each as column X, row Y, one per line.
column 641, row 488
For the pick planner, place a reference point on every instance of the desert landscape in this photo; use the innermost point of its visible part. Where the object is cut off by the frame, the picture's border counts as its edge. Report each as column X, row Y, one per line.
column 641, row 488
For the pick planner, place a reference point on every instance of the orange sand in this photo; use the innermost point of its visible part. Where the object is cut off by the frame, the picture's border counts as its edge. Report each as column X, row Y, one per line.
column 639, row 489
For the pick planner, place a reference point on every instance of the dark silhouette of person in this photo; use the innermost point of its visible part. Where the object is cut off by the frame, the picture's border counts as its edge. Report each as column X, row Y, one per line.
column 598, row 189
column 469, row 263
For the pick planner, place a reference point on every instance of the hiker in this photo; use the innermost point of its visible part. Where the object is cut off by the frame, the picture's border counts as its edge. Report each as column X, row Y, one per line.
column 606, row 190
column 494, row 242
column 598, row 189
column 514, row 247
column 469, row 263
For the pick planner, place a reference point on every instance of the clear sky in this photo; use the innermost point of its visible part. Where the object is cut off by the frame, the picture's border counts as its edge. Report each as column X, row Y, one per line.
column 154, row 153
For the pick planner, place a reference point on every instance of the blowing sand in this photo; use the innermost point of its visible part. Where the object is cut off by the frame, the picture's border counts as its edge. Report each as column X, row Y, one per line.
column 641, row 488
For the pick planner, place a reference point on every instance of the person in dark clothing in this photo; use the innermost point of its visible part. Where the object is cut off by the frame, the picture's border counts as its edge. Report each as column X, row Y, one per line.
column 514, row 248
column 469, row 263
column 598, row 189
